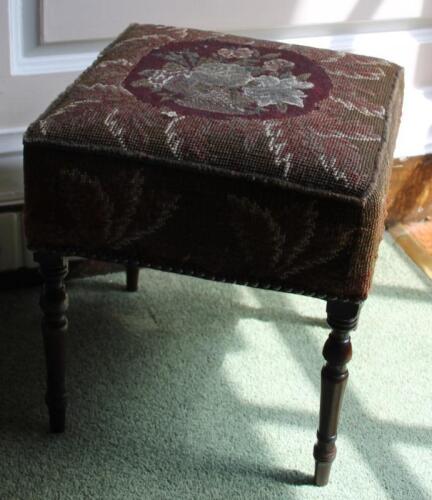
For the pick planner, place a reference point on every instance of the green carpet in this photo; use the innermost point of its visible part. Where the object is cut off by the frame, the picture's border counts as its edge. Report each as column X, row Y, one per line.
column 191, row 389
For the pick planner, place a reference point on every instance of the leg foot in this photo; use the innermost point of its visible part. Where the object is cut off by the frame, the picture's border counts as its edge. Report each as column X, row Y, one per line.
column 132, row 276
column 322, row 473
column 54, row 304
column 341, row 317
column 57, row 419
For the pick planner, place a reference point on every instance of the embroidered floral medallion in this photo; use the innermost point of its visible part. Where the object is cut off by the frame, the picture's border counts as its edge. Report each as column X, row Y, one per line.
column 222, row 80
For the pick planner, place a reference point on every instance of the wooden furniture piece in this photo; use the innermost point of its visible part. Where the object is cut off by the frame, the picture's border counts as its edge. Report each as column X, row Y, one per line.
column 409, row 209
column 221, row 157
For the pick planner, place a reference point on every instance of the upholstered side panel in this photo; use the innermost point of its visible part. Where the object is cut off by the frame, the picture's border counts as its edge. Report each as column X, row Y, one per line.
column 196, row 223
column 374, row 210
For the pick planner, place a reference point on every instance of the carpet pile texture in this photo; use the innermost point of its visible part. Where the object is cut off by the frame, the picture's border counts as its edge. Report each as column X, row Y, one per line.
column 192, row 389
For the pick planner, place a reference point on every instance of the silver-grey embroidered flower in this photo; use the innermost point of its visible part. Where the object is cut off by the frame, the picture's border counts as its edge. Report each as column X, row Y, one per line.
column 239, row 53
column 226, row 86
column 278, row 64
column 156, row 79
column 229, row 75
column 267, row 90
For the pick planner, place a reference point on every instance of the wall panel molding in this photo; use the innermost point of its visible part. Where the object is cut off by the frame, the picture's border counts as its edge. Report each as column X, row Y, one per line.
column 62, row 20
column 41, row 44
column 29, row 57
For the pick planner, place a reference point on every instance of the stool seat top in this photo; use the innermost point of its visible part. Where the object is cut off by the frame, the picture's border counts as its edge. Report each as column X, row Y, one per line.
column 305, row 118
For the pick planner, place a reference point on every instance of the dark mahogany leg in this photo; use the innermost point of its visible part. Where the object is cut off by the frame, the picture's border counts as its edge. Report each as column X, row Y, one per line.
column 342, row 317
column 54, row 303
column 132, row 275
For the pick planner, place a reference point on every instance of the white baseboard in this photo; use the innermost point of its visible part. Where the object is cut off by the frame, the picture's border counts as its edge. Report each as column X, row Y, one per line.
column 11, row 140
column 13, row 247
column 11, row 176
column 11, row 243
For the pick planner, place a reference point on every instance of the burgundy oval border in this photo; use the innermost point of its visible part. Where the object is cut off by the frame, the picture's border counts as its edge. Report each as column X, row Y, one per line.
column 320, row 91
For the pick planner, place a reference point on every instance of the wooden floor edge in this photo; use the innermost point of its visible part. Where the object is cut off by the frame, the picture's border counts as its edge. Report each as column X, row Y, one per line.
column 412, row 248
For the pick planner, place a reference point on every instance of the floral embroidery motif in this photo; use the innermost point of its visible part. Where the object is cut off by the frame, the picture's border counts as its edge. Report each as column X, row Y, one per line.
column 222, row 80
column 270, row 90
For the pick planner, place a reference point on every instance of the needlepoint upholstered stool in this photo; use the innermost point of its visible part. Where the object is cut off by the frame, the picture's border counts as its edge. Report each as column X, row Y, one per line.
column 221, row 157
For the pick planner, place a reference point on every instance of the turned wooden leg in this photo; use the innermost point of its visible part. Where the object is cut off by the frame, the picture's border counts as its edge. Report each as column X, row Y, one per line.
column 132, row 276
column 342, row 317
column 54, row 303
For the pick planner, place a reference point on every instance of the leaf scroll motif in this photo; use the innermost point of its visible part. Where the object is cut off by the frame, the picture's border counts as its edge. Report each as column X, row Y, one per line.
column 259, row 235
column 118, row 217
column 283, row 250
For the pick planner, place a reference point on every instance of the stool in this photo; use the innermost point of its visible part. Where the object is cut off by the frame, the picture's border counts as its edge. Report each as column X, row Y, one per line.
column 221, row 157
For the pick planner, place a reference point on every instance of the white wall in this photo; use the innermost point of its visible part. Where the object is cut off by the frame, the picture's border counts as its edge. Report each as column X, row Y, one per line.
column 45, row 43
